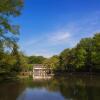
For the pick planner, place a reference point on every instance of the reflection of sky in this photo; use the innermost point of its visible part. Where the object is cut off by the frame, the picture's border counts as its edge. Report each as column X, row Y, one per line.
column 40, row 94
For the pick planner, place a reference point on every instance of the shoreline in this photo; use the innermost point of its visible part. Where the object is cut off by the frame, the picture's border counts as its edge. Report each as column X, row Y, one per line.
column 65, row 74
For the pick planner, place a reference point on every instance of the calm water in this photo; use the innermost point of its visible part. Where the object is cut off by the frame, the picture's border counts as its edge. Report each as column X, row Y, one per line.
column 69, row 88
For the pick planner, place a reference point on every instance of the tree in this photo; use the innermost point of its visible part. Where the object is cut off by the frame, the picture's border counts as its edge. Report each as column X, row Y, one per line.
column 79, row 58
column 64, row 59
column 87, row 45
column 36, row 59
column 67, row 59
column 8, row 31
column 96, row 52
column 52, row 63
column 15, row 53
column 84, row 57
column 23, row 62
column 9, row 34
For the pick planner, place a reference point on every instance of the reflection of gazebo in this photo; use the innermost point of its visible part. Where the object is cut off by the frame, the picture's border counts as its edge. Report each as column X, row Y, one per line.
column 40, row 71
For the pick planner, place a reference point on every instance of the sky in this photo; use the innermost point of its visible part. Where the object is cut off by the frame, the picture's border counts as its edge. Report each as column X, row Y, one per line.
column 47, row 27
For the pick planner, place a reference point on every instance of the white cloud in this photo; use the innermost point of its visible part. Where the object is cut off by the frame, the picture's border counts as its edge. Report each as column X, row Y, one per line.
column 69, row 36
column 60, row 36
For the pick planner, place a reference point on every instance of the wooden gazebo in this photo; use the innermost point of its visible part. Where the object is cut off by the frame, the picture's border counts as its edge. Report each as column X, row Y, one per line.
column 41, row 72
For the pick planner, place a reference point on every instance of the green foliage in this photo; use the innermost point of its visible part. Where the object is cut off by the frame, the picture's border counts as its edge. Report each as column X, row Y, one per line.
column 52, row 63
column 9, row 61
column 10, row 7
column 36, row 59
column 80, row 58
column 8, row 31
column 64, row 59
column 23, row 62
column 85, row 56
column 95, row 58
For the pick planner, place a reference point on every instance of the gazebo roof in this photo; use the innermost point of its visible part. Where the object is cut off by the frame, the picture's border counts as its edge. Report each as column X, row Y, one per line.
column 38, row 66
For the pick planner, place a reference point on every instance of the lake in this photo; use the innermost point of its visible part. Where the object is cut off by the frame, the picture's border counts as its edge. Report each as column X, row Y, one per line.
column 63, row 88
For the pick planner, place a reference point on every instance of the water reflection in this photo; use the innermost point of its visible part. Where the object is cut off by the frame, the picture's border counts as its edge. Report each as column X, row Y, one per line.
column 40, row 94
column 65, row 88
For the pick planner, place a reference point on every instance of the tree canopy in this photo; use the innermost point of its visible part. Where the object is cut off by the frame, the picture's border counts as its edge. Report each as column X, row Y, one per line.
column 85, row 56
column 9, row 56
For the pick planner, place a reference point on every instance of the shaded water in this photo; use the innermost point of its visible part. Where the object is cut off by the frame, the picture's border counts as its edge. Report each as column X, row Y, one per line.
column 65, row 88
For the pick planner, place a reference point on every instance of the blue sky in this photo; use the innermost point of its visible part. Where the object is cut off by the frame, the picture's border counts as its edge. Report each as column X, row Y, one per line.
column 49, row 26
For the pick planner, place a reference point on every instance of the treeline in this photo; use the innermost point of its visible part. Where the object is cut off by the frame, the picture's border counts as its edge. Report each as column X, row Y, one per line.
column 27, row 62
column 84, row 57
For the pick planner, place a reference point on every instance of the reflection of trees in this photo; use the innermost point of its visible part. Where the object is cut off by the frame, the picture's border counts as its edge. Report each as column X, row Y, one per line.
column 77, row 88
column 11, row 90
